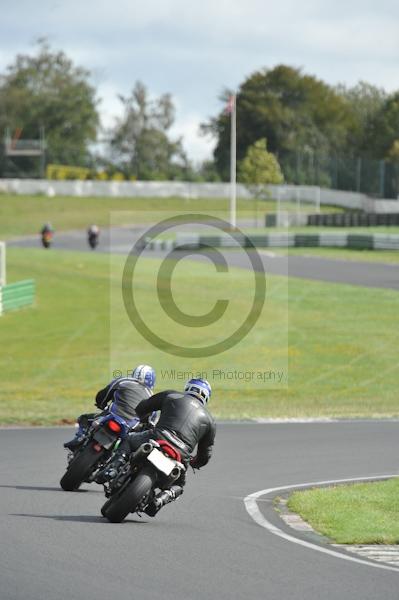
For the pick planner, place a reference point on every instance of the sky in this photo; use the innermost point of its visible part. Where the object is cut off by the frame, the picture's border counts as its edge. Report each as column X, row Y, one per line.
column 194, row 50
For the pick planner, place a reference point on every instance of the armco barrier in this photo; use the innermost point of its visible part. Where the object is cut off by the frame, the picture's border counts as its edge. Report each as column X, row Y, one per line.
column 17, row 295
column 375, row 241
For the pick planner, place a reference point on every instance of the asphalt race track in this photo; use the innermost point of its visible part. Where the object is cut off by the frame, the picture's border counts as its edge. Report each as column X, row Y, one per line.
column 56, row 546
column 366, row 274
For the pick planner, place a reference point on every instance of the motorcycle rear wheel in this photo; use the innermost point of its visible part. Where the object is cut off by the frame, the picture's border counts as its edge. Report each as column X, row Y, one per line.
column 117, row 508
column 80, row 468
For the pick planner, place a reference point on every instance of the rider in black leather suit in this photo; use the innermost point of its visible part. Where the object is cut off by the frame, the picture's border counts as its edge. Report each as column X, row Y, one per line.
column 184, row 422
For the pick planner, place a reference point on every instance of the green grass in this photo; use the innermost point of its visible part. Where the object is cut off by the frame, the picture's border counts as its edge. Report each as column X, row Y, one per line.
column 361, row 513
column 342, row 342
column 22, row 215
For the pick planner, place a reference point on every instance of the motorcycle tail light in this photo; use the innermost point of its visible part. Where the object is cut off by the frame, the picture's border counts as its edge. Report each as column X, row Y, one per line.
column 114, row 426
column 169, row 450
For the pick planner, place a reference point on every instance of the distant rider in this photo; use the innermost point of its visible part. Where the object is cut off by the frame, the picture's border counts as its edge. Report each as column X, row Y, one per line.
column 47, row 228
column 125, row 393
column 184, row 422
column 93, row 233
column 47, row 232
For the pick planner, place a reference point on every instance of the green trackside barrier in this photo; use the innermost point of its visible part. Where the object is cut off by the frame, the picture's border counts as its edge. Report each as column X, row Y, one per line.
column 375, row 241
column 363, row 242
column 17, row 295
column 210, row 240
column 302, row 241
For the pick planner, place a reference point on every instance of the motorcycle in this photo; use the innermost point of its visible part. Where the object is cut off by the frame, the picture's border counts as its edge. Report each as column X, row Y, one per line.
column 93, row 240
column 156, row 465
column 96, row 449
column 47, row 239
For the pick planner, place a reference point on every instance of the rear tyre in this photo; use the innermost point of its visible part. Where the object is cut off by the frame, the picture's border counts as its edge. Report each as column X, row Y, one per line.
column 116, row 509
column 80, row 468
column 105, row 507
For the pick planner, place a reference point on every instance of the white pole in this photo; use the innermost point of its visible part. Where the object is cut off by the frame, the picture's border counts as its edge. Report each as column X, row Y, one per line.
column 3, row 277
column 318, row 194
column 233, row 162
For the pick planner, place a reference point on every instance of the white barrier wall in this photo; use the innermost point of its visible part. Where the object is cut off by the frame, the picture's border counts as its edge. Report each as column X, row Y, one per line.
column 135, row 189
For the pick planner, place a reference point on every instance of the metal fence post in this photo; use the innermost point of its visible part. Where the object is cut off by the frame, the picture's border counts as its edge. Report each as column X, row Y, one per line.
column 382, row 178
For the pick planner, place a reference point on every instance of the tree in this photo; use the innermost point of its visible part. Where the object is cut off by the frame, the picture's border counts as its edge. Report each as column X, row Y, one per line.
column 365, row 101
column 383, row 130
column 140, row 144
column 258, row 169
column 291, row 110
column 392, row 171
column 47, row 91
column 207, row 172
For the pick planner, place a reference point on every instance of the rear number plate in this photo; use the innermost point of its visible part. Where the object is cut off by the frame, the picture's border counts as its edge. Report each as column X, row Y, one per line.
column 104, row 437
column 161, row 462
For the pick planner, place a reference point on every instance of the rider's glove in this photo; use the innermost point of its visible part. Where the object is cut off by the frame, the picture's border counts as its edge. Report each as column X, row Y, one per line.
column 100, row 403
column 146, row 419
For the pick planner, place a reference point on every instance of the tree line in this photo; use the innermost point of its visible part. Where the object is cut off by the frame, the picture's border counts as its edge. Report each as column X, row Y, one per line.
column 304, row 121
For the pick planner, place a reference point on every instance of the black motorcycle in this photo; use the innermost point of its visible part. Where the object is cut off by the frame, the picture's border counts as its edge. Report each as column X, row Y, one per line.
column 96, row 449
column 156, row 465
column 93, row 240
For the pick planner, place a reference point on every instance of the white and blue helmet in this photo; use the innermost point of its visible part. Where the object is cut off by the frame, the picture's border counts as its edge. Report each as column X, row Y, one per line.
column 145, row 375
column 200, row 388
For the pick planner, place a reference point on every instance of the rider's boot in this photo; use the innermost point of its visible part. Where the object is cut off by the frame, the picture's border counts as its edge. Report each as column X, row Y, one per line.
column 76, row 441
column 162, row 498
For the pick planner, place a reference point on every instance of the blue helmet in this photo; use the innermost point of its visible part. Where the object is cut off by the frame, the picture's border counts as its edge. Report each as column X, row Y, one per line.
column 145, row 375
column 200, row 388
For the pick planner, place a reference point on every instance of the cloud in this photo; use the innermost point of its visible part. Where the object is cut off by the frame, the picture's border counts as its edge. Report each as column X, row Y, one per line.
column 194, row 50
column 198, row 147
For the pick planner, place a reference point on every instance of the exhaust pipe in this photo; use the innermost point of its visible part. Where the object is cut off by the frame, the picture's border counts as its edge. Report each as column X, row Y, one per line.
column 175, row 473
column 142, row 452
column 146, row 448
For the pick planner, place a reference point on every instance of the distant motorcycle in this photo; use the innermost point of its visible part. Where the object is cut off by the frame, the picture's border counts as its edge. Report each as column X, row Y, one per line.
column 47, row 239
column 98, row 445
column 153, row 467
column 92, row 236
column 93, row 241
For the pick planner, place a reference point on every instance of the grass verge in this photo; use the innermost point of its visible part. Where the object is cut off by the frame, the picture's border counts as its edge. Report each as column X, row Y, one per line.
column 342, row 344
column 22, row 215
column 361, row 513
